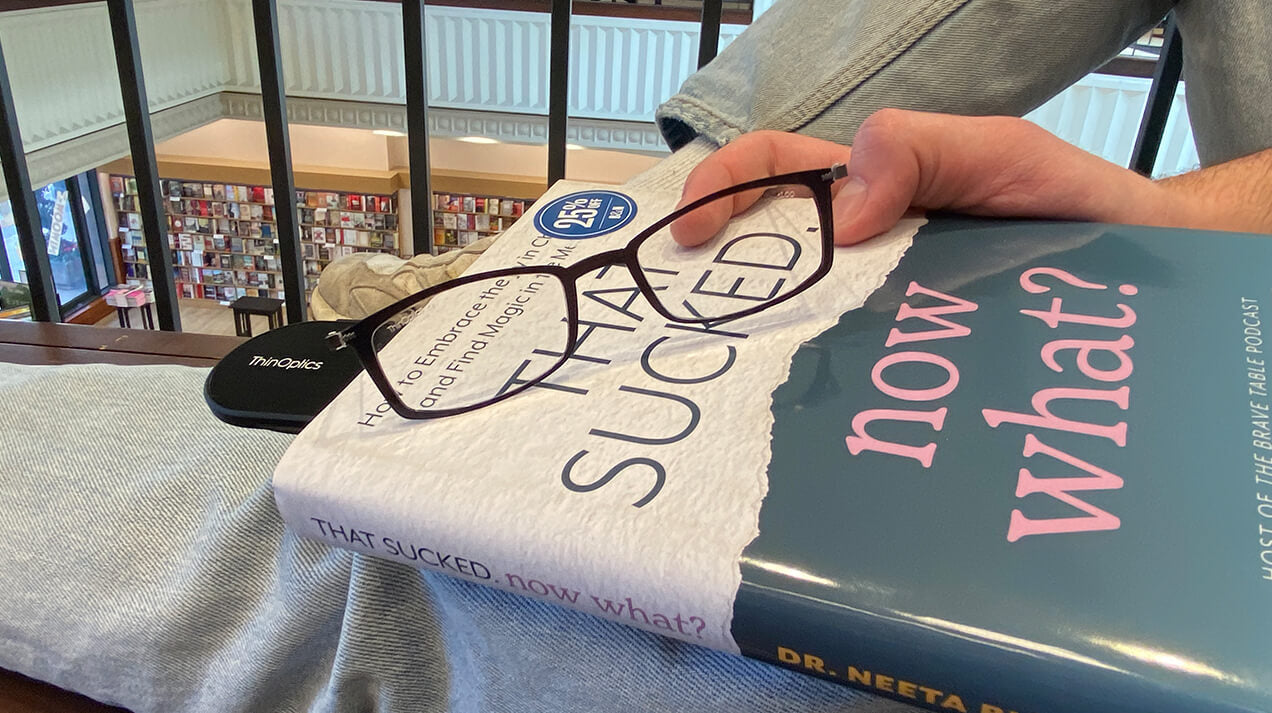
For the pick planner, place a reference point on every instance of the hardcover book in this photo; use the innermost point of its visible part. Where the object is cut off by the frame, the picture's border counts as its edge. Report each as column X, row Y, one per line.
column 981, row 467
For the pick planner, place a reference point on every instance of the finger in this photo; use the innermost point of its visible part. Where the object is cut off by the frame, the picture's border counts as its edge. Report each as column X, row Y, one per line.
column 999, row 166
column 750, row 157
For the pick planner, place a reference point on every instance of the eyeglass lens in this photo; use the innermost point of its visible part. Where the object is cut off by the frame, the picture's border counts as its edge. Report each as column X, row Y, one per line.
column 473, row 342
column 735, row 253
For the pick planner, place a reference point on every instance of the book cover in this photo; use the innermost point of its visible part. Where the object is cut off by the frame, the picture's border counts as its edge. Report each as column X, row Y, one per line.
column 995, row 466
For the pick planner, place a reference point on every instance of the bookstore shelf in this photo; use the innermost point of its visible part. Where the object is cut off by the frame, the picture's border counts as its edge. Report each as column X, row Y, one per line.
column 460, row 219
column 223, row 235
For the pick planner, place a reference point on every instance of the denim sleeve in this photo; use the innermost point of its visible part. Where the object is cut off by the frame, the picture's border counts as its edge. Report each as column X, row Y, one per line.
column 1228, row 75
column 820, row 68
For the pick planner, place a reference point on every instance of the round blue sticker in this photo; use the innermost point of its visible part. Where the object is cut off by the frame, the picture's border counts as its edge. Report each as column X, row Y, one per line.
column 586, row 214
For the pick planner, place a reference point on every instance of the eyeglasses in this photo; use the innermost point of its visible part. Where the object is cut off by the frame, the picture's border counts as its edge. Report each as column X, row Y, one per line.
column 492, row 335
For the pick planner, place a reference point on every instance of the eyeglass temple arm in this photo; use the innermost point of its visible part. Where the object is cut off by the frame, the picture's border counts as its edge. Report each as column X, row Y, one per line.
column 337, row 340
column 836, row 172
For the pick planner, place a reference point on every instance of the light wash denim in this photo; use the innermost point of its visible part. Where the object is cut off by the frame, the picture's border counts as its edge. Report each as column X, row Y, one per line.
column 820, row 67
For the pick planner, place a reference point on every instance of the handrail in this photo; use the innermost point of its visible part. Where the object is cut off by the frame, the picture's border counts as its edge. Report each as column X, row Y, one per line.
column 642, row 10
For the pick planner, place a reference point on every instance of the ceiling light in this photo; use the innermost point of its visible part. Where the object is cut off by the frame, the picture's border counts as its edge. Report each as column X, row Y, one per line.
column 387, row 132
column 479, row 140
column 573, row 147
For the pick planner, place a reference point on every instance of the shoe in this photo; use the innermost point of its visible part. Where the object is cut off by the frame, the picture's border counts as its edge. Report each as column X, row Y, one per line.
column 357, row 285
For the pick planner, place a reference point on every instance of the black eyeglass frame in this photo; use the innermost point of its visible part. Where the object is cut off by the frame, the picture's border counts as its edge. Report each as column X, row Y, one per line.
column 360, row 336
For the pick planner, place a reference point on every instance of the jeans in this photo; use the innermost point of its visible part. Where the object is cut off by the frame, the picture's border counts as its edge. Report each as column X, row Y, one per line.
column 820, row 68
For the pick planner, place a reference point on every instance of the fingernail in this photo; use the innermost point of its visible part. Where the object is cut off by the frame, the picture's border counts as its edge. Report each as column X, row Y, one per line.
column 849, row 200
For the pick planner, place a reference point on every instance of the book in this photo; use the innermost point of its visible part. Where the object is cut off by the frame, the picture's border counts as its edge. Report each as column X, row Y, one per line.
column 991, row 466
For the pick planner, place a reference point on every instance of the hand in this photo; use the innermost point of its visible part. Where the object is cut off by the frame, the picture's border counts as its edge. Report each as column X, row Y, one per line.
column 993, row 166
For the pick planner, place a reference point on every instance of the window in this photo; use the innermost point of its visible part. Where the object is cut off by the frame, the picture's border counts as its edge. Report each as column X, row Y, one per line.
column 71, row 228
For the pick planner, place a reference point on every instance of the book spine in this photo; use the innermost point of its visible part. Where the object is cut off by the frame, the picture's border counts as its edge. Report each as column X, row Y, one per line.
column 940, row 667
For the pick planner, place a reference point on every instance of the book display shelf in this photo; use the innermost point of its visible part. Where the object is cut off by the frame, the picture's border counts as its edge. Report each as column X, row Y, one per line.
column 460, row 219
column 223, row 235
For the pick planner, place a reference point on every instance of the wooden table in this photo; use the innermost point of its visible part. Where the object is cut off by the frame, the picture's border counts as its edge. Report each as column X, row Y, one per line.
column 38, row 343
column 245, row 307
column 31, row 343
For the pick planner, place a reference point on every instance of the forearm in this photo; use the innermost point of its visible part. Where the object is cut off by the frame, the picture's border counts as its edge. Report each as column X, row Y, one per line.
column 1236, row 195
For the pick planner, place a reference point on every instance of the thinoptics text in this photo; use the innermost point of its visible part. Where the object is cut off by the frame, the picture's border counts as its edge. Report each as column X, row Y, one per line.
column 284, row 363
column 1040, row 417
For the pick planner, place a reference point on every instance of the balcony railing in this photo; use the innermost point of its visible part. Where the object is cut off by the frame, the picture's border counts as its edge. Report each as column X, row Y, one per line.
column 491, row 59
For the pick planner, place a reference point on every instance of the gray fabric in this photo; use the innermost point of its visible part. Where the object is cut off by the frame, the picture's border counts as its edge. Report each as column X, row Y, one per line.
column 144, row 564
column 820, row 68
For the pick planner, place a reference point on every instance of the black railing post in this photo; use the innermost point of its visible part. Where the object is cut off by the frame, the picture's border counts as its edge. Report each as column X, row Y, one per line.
column 709, row 36
column 154, row 223
column 1160, row 97
column 26, row 219
column 558, row 89
column 269, row 56
column 417, row 126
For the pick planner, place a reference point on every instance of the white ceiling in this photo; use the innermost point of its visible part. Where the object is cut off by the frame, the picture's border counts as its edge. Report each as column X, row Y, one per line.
column 332, row 148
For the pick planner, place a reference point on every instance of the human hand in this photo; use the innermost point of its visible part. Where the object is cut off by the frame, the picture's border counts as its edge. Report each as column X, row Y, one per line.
column 992, row 166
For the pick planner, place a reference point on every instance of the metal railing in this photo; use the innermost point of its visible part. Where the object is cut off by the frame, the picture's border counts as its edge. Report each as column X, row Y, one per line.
column 266, row 23
column 141, row 143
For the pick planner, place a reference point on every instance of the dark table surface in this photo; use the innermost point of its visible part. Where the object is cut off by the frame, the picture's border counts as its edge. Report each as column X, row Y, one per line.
column 256, row 305
column 35, row 343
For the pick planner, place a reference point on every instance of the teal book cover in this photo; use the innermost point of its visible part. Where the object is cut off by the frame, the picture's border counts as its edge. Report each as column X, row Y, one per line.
column 1033, row 473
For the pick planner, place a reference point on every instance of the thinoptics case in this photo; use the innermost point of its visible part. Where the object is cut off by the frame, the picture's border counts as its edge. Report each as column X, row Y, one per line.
column 281, row 379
